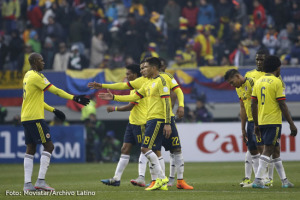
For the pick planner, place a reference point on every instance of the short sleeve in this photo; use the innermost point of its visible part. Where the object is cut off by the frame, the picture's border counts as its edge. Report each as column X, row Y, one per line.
column 280, row 91
column 254, row 93
column 137, row 83
column 141, row 92
column 164, row 90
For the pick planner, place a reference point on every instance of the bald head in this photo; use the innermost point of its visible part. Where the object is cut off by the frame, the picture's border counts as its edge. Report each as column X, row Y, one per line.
column 36, row 61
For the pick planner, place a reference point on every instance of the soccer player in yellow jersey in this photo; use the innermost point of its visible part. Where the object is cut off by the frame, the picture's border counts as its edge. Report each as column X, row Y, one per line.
column 32, row 117
column 268, row 104
column 134, row 131
column 157, row 91
column 244, row 87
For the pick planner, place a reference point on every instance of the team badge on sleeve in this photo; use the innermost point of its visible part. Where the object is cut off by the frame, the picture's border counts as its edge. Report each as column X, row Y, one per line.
column 46, row 81
column 174, row 81
column 166, row 89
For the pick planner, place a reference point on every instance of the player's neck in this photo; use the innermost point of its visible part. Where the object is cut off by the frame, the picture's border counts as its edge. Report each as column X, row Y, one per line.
column 155, row 74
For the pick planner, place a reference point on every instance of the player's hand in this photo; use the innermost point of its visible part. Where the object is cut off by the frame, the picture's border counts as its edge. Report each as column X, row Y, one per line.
column 257, row 132
column 94, row 85
column 59, row 114
column 294, row 130
column 180, row 112
column 106, row 96
column 81, row 99
column 110, row 109
column 245, row 138
column 167, row 130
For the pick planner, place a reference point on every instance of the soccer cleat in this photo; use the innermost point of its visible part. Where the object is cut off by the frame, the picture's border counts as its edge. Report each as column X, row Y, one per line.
column 150, row 185
column 140, row 181
column 268, row 182
column 287, row 184
column 248, row 186
column 164, row 187
column 171, row 181
column 42, row 185
column 28, row 187
column 165, row 181
column 246, row 181
column 111, row 182
column 258, row 183
column 158, row 183
column 181, row 184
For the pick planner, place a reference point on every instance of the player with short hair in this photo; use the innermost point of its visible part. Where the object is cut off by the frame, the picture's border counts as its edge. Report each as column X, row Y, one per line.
column 268, row 104
column 32, row 117
column 157, row 90
column 135, row 129
column 244, row 87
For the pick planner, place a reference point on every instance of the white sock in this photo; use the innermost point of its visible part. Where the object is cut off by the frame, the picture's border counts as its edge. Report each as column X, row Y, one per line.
column 279, row 168
column 263, row 164
column 153, row 176
column 179, row 163
column 248, row 165
column 44, row 164
column 271, row 170
column 123, row 162
column 162, row 164
column 172, row 165
column 142, row 164
column 152, row 157
column 28, row 167
column 255, row 160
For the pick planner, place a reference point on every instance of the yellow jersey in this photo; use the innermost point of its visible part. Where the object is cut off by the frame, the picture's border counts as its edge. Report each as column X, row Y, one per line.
column 34, row 85
column 138, row 114
column 254, row 74
column 269, row 89
column 157, row 91
column 244, row 93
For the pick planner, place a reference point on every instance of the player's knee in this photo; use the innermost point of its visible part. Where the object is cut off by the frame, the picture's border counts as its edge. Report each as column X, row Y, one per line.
column 31, row 149
column 125, row 149
column 49, row 147
column 144, row 150
column 175, row 151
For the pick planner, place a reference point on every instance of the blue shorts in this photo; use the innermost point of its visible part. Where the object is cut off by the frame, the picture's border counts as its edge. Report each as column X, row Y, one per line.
column 36, row 132
column 270, row 134
column 154, row 134
column 253, row 141
column 173, row 142
column 134, row 134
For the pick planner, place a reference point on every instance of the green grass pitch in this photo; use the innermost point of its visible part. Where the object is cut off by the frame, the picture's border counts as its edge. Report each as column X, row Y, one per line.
column 210, row 180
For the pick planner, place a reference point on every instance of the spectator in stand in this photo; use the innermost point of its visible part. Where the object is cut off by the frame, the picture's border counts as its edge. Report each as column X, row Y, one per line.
column 48, row 13
column 16, row 47
column 190, row 12
column 10, row 13
column 279, row 13
column 58, row 122
column 224, row 13
column 34, row 42
column 23, row 61
column 241, row 12
column 122, row 11
column 35, row 15
column 138, row 9
column 295, row 51
column 151, row 51
column 235, row 36
column 111, row 147
column 3, row 51
column 154, row 29
column 183, row 33
column 61, row 58
column 270, row 40
column 201, row 113
column 206, row 13
column 172, row 13
column 295, row 12
column 76, row 33
column 53, row 29
column 133, row 37
column 239, row 55
column 63, row 15
column 285, row 39
column 259, row 18
column 98, row 50
column 48, row 53
column 77, row 61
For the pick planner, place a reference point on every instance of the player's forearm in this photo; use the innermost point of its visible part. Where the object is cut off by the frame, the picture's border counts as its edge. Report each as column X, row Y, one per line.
column 243, row 115
column 285, row 111
column 125, row 108
column 180, row 96
column 60, row 93
column 167, row 109
column 126, row 98
column 116, row 86
column 47, row 107
column 254, row 111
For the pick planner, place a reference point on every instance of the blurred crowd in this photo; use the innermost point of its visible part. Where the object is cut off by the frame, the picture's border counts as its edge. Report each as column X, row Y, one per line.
column 78, row 34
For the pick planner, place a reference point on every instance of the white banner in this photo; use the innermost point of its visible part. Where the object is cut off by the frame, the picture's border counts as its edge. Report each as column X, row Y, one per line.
column 214, row 142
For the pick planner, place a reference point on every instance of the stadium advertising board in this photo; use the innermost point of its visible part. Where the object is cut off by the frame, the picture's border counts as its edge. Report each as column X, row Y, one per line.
column 69, row 142
column 214, row 142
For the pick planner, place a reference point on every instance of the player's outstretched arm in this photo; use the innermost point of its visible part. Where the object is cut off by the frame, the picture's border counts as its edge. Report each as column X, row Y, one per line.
column 122, row 98
column 120, row 108
column 114, row 86
column 57, row 112
column 79, row 99
column 285, row 111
